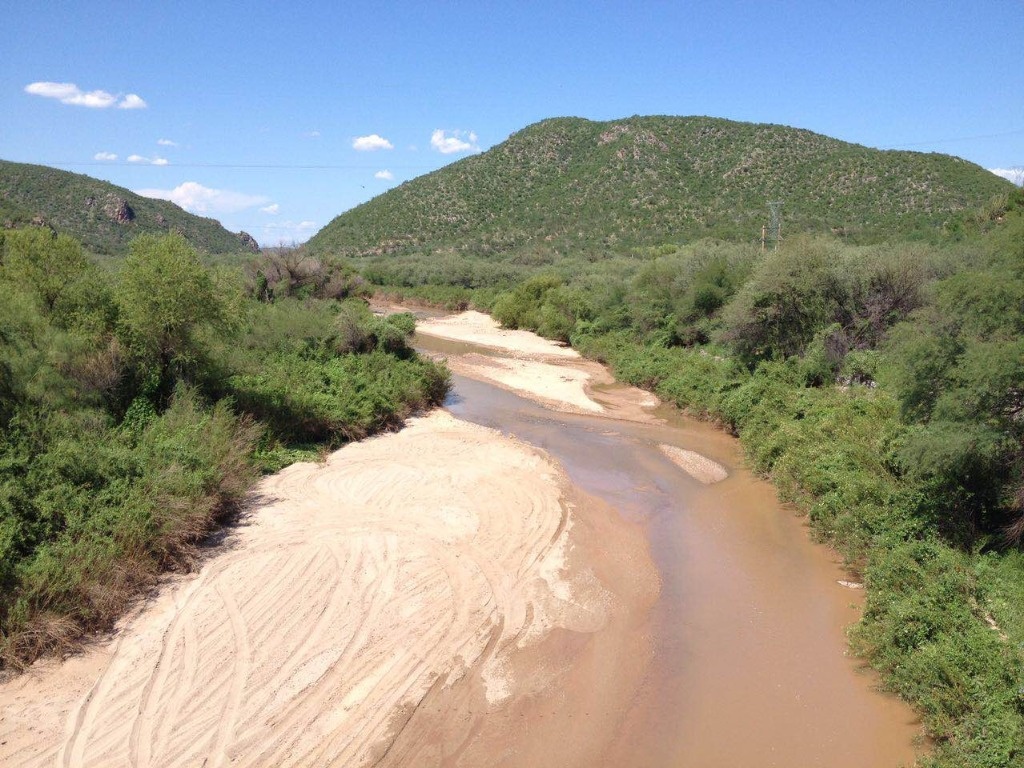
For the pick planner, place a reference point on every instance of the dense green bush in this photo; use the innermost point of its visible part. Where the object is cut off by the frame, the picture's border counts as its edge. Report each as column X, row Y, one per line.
column 166, row 300
column 90, row 511
column 957, row 367
column 791, row 294
column 925, row 628
column 521, row 307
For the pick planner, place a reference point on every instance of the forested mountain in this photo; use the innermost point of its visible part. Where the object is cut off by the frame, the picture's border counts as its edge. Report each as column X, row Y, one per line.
column 575, row 185
column 100, row 215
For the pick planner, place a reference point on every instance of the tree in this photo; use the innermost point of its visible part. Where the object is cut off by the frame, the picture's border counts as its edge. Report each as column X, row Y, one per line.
column 792, row 294
column 164, row 298
column 42, row 263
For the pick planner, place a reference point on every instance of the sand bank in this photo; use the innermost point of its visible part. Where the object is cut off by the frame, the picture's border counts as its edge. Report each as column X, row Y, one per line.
column 541, row 369
column 696, row 465
column 477, row 328
column 419, row 598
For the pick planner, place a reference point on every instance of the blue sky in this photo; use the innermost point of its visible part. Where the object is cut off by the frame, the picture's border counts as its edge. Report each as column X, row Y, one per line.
column 254, row 115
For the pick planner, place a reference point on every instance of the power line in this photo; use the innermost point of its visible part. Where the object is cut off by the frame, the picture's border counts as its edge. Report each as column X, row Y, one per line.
column 956, row 138
column 233, row 166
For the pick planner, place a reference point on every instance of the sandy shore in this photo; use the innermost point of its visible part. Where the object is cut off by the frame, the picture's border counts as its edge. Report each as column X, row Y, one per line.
column 477, row 328
column 543, row 370
column 418, row 599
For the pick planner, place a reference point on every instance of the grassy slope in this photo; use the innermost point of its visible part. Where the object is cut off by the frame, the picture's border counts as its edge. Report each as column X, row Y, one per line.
column 61, row 200
column 570, row 183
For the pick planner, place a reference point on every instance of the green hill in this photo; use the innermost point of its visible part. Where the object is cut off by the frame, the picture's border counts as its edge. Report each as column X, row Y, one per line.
column 103, row 216
column 571, row 185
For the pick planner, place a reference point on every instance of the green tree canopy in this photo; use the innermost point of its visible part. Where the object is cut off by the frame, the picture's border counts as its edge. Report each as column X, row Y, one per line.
column 42, row 263
column 164, row 298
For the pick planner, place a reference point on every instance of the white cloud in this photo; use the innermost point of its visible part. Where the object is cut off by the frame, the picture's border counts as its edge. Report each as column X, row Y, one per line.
column 385, row 174
column 371, row 142
column 69, row 93
column 195, row 198
column 104, row 156
column 285, row 232
column 1016, row 175
column 166, row 143
column 272, row 209
column 450, row 142
column 92, row 99
column 53, row 90
column 132, row 101
column 143, row 160
column 314, row 134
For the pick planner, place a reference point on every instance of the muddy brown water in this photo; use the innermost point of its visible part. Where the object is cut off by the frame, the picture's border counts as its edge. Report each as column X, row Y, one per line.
column 750, row 664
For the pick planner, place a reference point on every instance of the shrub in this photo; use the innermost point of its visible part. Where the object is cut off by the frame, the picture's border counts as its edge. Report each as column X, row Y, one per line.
column 791, row 294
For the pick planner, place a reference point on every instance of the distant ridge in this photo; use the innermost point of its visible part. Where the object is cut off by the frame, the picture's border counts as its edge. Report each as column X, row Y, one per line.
column 103, row 216
column 570, row 184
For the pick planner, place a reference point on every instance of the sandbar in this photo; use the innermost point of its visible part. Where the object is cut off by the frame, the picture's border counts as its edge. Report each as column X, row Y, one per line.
column 415, row 599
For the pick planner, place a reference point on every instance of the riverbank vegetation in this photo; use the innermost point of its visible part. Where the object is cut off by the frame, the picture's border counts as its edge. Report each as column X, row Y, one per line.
column 138, row 407
column 881, row 387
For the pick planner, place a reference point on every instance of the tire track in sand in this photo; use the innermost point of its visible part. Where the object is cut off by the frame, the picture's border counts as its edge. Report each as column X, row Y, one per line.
column 398, row 568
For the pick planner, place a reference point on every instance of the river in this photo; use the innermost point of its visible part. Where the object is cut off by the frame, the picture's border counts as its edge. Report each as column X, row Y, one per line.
column 582, row 595
column 750, row 664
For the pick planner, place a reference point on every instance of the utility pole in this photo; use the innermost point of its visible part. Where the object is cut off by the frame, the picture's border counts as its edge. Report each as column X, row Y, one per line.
column 775, row 226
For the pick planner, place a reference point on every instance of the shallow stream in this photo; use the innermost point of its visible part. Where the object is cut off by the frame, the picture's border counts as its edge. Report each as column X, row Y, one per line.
column 750, row 664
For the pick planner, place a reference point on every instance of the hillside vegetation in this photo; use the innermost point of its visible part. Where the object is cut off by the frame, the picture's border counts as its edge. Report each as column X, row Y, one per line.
column 137, row 408
column 103, row 217
column 570, row 185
